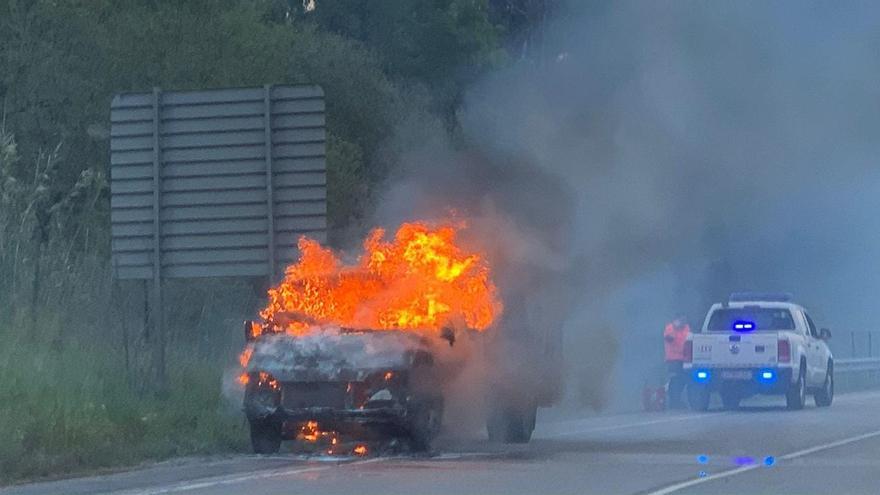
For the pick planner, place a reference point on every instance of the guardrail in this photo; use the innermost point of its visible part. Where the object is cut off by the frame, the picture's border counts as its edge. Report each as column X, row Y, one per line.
column 852, row 365
column 852, row 374
column 856, row 344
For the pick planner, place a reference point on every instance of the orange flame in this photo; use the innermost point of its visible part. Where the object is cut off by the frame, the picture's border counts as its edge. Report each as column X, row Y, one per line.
column 265, row 379
column 255, row 329
column 312, row 433
column 419, row 280
column 245, row 356
column 360, row 450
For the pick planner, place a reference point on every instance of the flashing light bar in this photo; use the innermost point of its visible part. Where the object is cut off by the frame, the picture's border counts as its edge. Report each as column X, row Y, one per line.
column 743, row 326
column 760, row 297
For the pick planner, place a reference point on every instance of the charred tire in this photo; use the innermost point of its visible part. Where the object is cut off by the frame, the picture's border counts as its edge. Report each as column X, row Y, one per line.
column 730, row 398
column 796, row 396
column 512, row 425
column 265, row 436
column 425, row 424
column 698, row 397
column 825, row 396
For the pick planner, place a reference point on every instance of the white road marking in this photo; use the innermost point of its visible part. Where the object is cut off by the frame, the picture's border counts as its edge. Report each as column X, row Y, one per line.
column 596, row 429
column 231, row 480
column 831, row 445
column 793, row 455
column 452, row 456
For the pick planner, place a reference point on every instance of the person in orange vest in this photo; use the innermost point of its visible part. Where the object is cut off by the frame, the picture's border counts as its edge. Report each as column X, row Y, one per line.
column 674, row 336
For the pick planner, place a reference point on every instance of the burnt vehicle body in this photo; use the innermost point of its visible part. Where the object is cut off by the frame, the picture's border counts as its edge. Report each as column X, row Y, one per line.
column 363, row 384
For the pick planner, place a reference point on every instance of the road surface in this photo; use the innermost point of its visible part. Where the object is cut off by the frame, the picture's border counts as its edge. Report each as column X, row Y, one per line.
column 761, row 449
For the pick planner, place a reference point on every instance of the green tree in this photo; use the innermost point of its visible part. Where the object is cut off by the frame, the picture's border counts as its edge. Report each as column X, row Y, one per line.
column 67, row 59
column 443, row 44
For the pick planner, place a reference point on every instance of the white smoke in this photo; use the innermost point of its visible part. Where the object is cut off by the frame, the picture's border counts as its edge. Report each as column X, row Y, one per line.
column 676, row 152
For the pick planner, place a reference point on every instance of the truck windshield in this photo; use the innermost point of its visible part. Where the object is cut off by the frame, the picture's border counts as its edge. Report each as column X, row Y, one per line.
column 726, row 319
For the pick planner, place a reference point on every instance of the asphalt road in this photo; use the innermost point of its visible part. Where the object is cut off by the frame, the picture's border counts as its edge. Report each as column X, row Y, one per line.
column 814, row 451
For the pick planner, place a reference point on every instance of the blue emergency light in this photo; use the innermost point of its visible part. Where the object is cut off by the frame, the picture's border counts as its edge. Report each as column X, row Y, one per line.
column 701, row 376
column 743, row 326
column 766, row 376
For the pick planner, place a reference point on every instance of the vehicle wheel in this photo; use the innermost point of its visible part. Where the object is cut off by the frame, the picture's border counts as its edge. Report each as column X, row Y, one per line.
column 825, row 396
column 512, row 425
column 265, row 437
column 796, row 397
column 698, row 397
column 425, row 425
column 730, row 398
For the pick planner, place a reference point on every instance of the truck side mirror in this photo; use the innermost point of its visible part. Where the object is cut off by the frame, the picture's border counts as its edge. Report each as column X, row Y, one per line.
column 448, row 335
column 825, row 334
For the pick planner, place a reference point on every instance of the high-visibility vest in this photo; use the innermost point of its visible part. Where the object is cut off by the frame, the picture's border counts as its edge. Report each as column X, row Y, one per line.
column 675, row 349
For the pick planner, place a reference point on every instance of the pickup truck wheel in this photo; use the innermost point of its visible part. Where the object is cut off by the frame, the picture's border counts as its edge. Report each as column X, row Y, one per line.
column 512, row 425
column 825, row 396
column 265, row 436
column 730, row 398
column 698, row 397
column 796, row 397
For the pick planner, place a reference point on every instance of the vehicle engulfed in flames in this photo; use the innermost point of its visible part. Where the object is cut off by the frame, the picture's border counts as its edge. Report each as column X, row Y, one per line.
column 359, row 384
column 363, row 350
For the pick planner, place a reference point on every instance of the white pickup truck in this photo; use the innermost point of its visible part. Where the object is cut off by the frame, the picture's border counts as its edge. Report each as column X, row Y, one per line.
column 759, row 344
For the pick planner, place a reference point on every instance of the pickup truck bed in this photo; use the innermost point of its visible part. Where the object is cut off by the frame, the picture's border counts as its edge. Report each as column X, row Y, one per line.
column 725, row 350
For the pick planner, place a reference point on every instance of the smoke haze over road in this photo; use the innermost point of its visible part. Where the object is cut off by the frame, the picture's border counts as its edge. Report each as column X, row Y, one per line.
column 687, row 149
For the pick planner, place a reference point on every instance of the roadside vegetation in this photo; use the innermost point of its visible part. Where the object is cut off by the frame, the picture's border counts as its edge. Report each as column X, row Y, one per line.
column 75, row 393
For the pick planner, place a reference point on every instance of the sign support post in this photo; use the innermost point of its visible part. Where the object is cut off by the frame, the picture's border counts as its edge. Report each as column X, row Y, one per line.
column 270, row 200
column 156, row 311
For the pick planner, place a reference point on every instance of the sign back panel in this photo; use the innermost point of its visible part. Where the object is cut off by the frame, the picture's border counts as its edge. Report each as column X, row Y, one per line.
column 216, row 183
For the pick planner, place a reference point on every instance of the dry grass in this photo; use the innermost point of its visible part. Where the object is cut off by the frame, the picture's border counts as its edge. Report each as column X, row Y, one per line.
column 73, row 354
column 69, row 403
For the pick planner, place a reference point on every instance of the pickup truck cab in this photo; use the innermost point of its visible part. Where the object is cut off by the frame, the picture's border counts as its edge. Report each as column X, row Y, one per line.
column 759, row 344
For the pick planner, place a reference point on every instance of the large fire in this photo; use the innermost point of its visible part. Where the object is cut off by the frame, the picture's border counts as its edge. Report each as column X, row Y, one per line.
column 419, row 280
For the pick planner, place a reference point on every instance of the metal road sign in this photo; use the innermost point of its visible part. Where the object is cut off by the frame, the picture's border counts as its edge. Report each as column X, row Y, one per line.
column 215, row 183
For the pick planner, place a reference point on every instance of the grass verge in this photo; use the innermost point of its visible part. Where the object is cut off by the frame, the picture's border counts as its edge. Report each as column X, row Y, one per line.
column 66, row 407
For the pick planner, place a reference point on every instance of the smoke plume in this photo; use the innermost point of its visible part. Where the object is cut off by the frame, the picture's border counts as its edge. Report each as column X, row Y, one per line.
column 659, row 156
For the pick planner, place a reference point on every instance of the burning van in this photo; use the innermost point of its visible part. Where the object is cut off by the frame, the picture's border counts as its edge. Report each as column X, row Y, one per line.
column 363, row 349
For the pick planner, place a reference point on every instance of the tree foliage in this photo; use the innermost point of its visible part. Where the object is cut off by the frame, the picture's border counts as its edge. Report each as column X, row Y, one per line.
column 62, row 62
column 442, row 44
